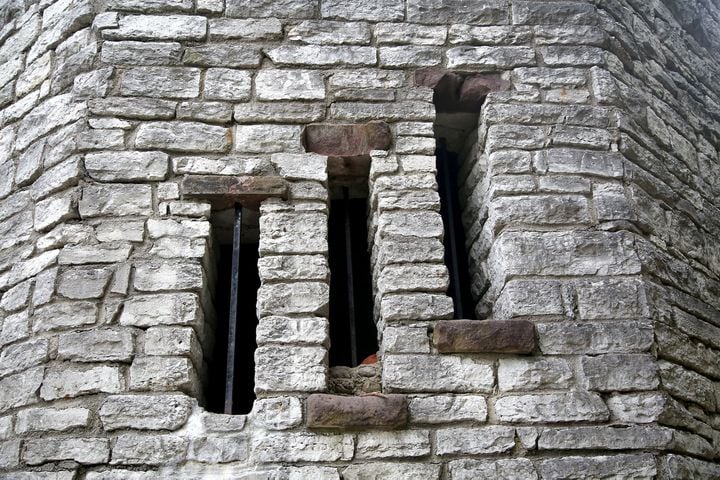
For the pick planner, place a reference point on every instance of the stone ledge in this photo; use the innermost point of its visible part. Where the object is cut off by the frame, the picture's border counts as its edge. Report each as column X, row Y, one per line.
column 225, row 190
column 366, row 411
column 484, row 336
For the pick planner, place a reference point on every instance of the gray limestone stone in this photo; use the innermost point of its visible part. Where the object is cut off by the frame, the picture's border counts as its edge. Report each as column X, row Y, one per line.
column 292, row 233
column 267, row 138
column 394, row 33
column 102, row 253
column 170, row 82
column 175, row 341
column 431, row 373
column 152, row 276
column 392, row 471
column 158, row 27
column 223, row 55
column 55, row 209
column 594, row 338
column 330, row 33
column 290, row 369
column 620, row 372
column 405, row 339
column 20, row 389
column 413, row 278
column 245, row 29
column 183, row 136
column 439, row 409
column 151, row 5
column 277, row 413
column 416, row 306
column 21, row 356
column 641, row 466
column 308, row 298
column 270, row 8
column 382, row 10
column 72, row 380
column 323, row 56
column 163, row 374
column 510, row 469
column 490, row 57
column 125, row 166
column 64, row 315
column 84, row 283
column 52, row 113
column 145, row 412
column 141, row 53
column 15, row 327
column 409, row 56
column 278, row 112
column 219, row 449
column 161, row 309
column 135, row 107
column 134, row 449
column 606, row 438
column 98, row 345
column 551, row 407
column 227, row 84
column 51, row 419
column 458, row 11
column 516, row 374
column 379, row 445
column 302, row 447
column 473, row 441
column 290, row 330
column 115, row 200
column 86, row 451
column 289, row 85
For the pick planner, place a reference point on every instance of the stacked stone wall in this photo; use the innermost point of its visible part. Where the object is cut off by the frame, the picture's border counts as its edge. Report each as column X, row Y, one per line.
column 589, row 193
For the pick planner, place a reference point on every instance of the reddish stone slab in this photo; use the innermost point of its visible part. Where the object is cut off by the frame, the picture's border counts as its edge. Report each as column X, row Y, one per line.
column 225, row 190
column 365, row 411
column 484, row 336
column 476, row 87
column 344, row 140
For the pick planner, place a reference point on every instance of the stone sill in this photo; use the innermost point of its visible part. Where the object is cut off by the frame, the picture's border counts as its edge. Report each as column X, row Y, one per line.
column 341, row 412
column 485, row 336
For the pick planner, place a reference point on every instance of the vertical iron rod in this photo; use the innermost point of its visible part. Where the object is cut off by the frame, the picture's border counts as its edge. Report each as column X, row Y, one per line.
column 232, row 316
column 350, row 279
column 451, row 230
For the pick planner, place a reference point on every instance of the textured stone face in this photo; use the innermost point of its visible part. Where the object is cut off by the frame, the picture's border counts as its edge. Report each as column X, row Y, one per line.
column 337, row 412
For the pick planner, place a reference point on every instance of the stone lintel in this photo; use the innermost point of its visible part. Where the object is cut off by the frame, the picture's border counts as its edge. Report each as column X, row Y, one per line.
column 225, row 190
column 364, row 411
column 484, row 336
column 347, row 140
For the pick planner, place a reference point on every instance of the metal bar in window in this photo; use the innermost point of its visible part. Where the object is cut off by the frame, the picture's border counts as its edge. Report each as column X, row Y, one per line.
column 233, row 310
column 350, row 279
column 451, row 228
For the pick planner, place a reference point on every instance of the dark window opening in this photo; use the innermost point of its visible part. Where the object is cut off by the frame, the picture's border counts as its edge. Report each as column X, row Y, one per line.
column 456, row 258
column 242, row 381
column 353, row 335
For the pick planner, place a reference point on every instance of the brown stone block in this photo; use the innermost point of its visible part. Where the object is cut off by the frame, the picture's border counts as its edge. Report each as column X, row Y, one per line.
column 225, row 190
column 365, row 411
column 347, row 140
column 484, row 336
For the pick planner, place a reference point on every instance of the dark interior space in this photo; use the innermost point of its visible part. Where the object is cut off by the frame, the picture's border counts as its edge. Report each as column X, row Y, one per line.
column 353, row 334
column 248, row 284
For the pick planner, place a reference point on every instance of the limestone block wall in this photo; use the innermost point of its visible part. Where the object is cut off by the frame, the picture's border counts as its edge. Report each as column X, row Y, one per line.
column 589, row 193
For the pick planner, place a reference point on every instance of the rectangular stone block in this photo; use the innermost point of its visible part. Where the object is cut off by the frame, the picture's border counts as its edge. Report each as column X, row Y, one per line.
column 620, row 372
column 173, row 341
column 435, row 373
column 224, row 191
column 271, row 8
column 510, row 469
column 97, row 345
column 72, row 380
column 323, row 56
column 409, row 56
column 392, row 471
column 152, row 276
column 426, row 277
column 542, row 373
column 407, row 443
column 124, row 166
column 136, row 107
column 458, row 11
column 145, row 412
column 416, row 306
column 398, row 33
column 290, row 369
column 382, row 10
column 342, row 412
column 21, row 356
column 115, row 200
column 161, row 309
column 487, row 336
column 594, row 338
column 279, row 112
column 51, row 419
column 473, row 441
column 323, row 32
column 219, row 449
column 141, row 53
column 227, row 84
column 552, row 407
column 133, row 449
column 245, row 29
column 448, row 409
column 86, row 451
column 170, row 82
column 267, row 138
column 293, row 233
column 605, row 438
column 290, row 330
column 638, row 466
column 289, row 85
column 158, row 27
column 163, row 374
column 183, row 136
column 307, row 298
column 490, row 57
column 64, row 315
column 20, row 389
column 302, row 447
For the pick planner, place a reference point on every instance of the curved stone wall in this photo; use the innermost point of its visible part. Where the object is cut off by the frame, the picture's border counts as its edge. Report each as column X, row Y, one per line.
column 589, row 192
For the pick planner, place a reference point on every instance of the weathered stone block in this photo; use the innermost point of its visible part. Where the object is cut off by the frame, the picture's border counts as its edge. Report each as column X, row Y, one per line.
column 72, row 380
column 86, row 451
column 302, row 447
column 170, row 82
column 510, row 469
column 405, row 339
column 553, row 407
column 20, row 389
column 323, row 56
column 151, row 276
column 290, row 369
column 64, row 315
column 620, row 372
column 432, row 373
column 407, row 443
column 21, row 356
column 125, row 166
column 222, row 55
column 290, row 330
column 607, row 438
column 323, row 32
column 473, row 441
column 416, row 306
column 51, row 419
column 347, row 140
column 141, row 53
column 594, row 338
column 289, row 85
column 98, row 345
column 115, row 200
column 267, row 138
column 271, row 8
column 426, row 277
column 293, row 299
column 163, row 374
column 530, row 374
column 145, row 412
column 277, row 413
column 245, row 29
column 219, row 449
column 293, row 233
column 133, row 449
column 136, row 107
column 458, row 11
column 392, row 471
column 224, row 190
column 448, row 409
column 489, row 336
column 227, row 84
column 174, row 341
column 183, row 136
column 341, row 412
column 158, row 27
column 161, row 309
column 84, row 283
column 629, row 466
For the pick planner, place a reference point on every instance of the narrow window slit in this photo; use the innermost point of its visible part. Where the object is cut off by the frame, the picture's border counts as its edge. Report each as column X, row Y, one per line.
column 231, row 367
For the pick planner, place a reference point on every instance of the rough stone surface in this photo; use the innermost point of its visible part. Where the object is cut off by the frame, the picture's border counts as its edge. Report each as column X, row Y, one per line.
column 465, row 336
column 338, row 412
column 146, row 412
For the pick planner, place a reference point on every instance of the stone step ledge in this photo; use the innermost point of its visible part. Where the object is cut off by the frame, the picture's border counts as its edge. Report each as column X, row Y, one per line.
column 387, row 411
column 223, row 191
column 485, row 336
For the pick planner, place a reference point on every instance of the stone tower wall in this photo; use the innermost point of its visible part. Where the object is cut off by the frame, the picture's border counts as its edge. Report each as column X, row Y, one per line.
column 590, row 200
